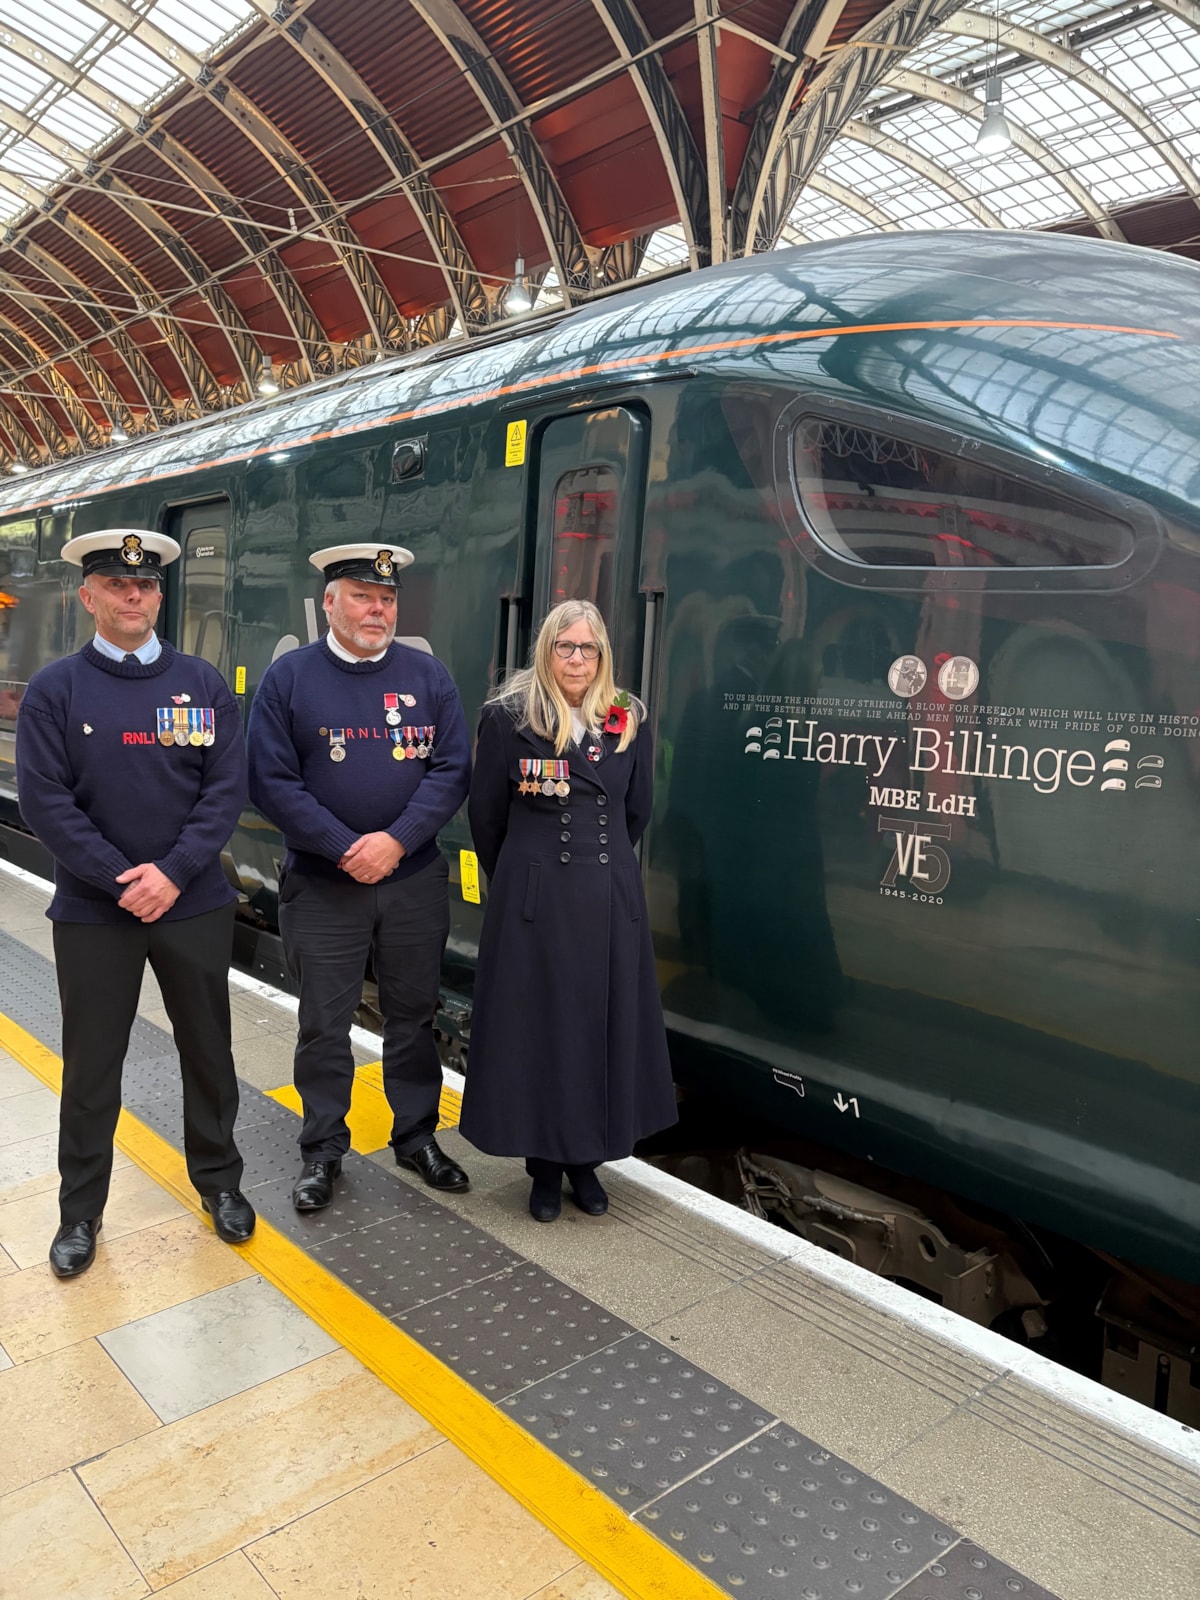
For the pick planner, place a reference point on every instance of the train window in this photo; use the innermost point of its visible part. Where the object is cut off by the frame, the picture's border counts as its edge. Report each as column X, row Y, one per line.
column 586, row 509
column 204, row 561
column 882, row 501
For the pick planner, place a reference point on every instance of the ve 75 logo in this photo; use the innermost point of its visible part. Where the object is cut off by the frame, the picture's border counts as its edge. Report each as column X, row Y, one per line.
column 916, row 857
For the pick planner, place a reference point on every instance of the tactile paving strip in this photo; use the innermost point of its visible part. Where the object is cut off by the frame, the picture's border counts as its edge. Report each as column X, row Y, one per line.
column 513, row 1329
column 424, row 1253
column 782, row 1519
column 968, row 1573
column 637, row 1419
column 362, row 1196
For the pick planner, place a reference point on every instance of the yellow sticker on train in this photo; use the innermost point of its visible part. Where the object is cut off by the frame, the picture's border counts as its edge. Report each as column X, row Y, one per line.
column 468, row 872
column 514, row 447
column 239, row 680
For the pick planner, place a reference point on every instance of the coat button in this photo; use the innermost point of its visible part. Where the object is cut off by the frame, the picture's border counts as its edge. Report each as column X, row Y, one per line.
column 601, row 799
column 603, row 821
column 566, row 817
column 566, row 838
column 566, row 856
column 603, row 859
column 603, row 838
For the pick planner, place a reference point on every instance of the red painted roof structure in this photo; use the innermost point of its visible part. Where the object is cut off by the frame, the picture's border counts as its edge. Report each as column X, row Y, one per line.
column 340, row 178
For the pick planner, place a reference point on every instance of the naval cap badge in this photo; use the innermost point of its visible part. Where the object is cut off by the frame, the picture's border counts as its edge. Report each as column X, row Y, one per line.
column 383, row 564
column 132, row 553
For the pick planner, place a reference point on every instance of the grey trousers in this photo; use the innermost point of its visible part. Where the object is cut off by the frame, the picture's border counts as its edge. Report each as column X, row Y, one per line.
column 329, row 931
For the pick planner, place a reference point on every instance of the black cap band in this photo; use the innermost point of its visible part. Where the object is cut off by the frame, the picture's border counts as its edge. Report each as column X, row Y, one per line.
column 365, row 570
column 116, row 564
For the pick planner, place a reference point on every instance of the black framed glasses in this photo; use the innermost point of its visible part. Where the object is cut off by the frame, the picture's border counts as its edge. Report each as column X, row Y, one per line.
column 564, row 650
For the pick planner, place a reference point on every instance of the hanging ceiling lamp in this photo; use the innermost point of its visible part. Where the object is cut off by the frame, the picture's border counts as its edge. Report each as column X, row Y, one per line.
column 117, row 434
column 518, row 297
column 266, row 382
column 994, row 133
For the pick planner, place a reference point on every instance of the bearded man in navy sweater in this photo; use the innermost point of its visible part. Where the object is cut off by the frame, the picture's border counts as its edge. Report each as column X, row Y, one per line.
column 359, row 753
column 131, row 770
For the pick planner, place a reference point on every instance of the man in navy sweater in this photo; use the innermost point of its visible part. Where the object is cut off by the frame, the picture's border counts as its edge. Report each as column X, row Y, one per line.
column 359, row 753
column 131, row 770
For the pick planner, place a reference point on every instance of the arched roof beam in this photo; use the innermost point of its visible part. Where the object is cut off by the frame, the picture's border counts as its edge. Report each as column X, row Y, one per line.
column 15, row 429
column 853, row 201
column 160, row 407
column 932, row 172
column 1185, row 10
column 53, row 441
column 383, row 317
column 464, row 286
column 833, row 96
column 60, row 334
column 753, row 214
column 210, row 191
column 82, row 422
column 196, row 373
column 973, row 25
column 926, row 87
column 672, row 132
column 75, row 291
column 568, row 253
column 121, row 266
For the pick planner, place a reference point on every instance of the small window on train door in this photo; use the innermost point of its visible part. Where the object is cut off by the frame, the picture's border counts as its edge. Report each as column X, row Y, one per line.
column 586, row 514
column 204, row 571
column 882, row 501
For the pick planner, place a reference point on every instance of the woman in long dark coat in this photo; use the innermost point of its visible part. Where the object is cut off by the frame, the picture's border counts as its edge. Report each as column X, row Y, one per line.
column 568, row 1061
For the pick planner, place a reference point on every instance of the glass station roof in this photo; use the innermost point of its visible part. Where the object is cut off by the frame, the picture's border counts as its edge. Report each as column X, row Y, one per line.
column 1108, row 97
column 71, row 73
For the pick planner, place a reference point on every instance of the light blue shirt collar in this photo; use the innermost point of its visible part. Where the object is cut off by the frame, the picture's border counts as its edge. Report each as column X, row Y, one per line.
column 149, row 652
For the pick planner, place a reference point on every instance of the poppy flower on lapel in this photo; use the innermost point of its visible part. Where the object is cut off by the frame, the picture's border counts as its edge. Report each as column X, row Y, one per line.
column 617, row 719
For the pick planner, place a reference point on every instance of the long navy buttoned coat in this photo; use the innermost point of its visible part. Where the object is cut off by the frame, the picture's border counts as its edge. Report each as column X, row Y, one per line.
column 568, row 1055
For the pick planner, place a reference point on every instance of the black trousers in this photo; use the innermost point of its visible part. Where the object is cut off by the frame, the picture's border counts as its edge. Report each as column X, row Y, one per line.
column 100, row 969
column 329, row 930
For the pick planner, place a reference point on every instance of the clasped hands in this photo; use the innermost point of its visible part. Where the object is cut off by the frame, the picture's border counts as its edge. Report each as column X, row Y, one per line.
column 372, row 857
column 150, row 892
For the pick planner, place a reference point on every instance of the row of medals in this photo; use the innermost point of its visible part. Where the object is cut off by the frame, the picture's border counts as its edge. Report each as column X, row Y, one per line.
column 181, row 737
column 418, row 747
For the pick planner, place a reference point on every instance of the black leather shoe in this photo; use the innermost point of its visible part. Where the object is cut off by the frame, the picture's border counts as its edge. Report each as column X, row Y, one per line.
column 232, row 1214
column 587, row 1191
column 74, row 1248
column 436, row 1167
column 313, row 1189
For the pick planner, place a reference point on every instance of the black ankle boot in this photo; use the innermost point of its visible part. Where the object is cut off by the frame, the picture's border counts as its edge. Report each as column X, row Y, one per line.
column 545, row 1198
column 587, row 1191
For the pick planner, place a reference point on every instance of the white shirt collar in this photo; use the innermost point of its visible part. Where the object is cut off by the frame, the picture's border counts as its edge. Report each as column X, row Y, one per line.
column 346, row 655
column 147, row 653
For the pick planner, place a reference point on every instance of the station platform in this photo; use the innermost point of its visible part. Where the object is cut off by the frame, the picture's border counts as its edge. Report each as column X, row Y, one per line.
column 440, row 1399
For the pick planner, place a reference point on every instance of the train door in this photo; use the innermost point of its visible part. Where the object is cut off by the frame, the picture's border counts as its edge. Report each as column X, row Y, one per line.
column 591, row 479
column 201, row 609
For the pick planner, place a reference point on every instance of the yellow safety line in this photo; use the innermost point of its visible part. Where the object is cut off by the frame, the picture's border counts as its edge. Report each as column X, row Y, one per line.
column 582, row 1516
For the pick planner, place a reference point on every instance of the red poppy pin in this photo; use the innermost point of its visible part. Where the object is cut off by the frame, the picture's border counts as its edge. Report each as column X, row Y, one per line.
column 617, row 719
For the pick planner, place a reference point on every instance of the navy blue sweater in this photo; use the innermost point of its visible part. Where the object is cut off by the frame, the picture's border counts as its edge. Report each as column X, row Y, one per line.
column 310, row 703
column 103, row 794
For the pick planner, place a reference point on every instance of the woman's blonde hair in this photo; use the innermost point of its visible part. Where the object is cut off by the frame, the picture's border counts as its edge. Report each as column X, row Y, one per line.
column 534, row 698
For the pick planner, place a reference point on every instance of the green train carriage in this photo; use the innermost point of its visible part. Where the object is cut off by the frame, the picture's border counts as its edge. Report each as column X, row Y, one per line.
column 899, row 538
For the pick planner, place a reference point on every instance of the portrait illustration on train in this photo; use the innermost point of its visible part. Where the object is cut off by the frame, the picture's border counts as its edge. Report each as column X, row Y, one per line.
column 569, row 1064
column 131, row 771
column 359, row 754
column 896, row 542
